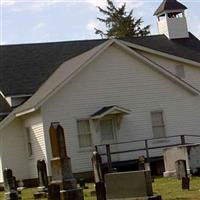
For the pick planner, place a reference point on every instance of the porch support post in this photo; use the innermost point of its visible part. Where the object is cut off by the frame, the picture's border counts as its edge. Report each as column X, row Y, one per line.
column 147, row 151
column 109, row 161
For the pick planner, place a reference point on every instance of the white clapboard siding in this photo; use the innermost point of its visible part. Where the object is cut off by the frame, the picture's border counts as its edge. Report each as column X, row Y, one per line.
column 1, row 171
column 192, row 73
column 117, row 78
column 35, row 124
column 13, row 151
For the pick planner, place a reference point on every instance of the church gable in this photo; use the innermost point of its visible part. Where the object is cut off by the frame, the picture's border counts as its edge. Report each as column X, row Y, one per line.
column 115, row 72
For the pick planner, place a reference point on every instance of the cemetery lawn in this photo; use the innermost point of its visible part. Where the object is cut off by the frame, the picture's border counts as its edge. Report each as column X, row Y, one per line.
column 169, row 188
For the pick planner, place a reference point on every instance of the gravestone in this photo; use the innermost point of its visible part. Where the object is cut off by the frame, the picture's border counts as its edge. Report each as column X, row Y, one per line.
column 42, row 176
column 61, row 165
column 10, row 185
column 43, row 180
column 189, row 152
column 98, row 176
column 181, row 169
column 181, row 173
column 185, row 183
column 54, row 192
column 129, row 185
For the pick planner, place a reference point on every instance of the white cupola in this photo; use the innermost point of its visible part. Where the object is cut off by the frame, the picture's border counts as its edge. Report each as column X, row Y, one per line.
column 171, row 19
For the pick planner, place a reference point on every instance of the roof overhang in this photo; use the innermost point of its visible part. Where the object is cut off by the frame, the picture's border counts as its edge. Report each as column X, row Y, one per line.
column 170, row 11
column 169, row 5
column 25, row 112
column 110, row 110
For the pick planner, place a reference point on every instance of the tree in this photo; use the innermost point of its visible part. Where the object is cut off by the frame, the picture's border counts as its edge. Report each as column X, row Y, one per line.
column 119, row 23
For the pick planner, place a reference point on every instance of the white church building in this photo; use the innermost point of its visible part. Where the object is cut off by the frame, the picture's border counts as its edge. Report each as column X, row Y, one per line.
column 113, row 91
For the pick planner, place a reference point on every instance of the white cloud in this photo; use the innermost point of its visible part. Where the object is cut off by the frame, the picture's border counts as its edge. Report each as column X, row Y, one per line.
column 32, row 5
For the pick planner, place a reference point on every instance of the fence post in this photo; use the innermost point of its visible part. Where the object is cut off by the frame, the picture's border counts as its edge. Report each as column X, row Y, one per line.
column 110, row 169
column 147, row 151
column 182, row 139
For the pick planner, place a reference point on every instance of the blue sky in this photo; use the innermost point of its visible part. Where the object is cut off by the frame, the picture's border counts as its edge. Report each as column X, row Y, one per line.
column 31, row 21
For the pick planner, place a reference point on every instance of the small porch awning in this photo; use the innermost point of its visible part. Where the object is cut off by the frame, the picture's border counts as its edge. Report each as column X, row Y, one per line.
column 110, row 110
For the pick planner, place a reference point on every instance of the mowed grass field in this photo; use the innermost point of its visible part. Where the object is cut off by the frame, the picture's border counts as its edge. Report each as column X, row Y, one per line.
column 169, row 188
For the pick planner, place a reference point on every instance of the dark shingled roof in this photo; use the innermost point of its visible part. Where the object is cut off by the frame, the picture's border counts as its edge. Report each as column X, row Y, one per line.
column 188, row 48
column 169, row 5
column 4, row 106
column 102, row 110
column 23, row 68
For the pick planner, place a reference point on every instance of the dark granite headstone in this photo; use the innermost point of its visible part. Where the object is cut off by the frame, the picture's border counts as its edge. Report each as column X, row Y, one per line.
column 54, row 192
column 10, row 185
column 185, row 183
column 42, row 175
column 43, row 180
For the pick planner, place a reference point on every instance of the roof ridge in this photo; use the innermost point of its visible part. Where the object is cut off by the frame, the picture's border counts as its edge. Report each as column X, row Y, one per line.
column 54, row 42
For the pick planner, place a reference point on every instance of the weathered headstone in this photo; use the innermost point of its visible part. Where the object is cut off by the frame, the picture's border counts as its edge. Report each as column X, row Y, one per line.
column 181, row 173
column 10, row 185
column 181, row 169
column 98, row 176
column 61, row 166
column 128, row 185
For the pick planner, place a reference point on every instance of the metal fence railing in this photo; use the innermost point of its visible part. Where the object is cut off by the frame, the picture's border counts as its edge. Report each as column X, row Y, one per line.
column 147, row 146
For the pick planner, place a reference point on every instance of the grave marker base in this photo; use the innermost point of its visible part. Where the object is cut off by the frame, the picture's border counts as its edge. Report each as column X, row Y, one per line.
column 75, row 194
column 140, row 198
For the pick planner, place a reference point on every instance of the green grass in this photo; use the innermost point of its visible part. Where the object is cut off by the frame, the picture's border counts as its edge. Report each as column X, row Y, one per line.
column 27, row 194
column 169, row 188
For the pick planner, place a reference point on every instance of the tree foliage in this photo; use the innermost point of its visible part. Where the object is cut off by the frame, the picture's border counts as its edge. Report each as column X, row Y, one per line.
column 119, row 23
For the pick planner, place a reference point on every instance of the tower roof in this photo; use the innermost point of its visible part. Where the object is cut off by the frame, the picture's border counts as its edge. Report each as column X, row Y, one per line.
column 169, row 5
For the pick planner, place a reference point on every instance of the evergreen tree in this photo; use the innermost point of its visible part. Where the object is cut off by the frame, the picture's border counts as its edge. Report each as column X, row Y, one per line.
column 119, row 23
